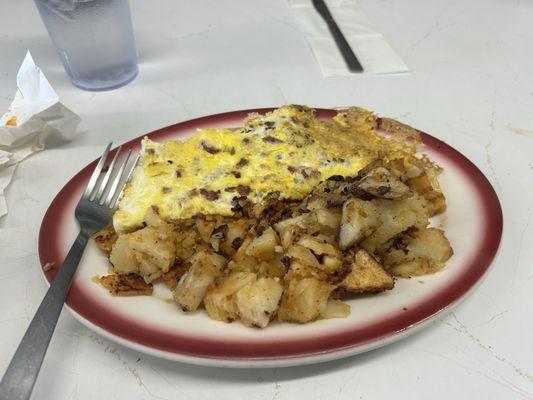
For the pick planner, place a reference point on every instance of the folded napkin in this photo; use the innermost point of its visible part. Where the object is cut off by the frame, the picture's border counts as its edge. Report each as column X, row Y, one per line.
column 34, row 115
column 370, row 47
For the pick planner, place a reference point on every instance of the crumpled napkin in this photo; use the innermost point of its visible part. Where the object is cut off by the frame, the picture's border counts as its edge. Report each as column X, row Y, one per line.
column 34, row 116
column 370, row 47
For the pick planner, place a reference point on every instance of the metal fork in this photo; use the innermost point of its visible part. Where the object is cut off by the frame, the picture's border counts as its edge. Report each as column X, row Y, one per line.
column 93, row 213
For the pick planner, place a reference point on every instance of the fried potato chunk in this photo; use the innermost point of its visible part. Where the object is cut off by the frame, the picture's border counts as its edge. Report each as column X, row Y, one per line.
column 335, row 309
column 304, row 300
column 126, row 285
column 105, row 238
column 359, row 219
column 381, row 183
column 220, row 301
column 417, row 252
column 396, row 216
column 366, row 274
column 193, row 285
column 427, row 185
column 263, row 246
column 257, row 302
column 148, row 252
column 172, row 277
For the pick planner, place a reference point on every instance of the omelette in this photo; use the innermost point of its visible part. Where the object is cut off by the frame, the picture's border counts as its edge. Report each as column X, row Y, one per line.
column 286, row 152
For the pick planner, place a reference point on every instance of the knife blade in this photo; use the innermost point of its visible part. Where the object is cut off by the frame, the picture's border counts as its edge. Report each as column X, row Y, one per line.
column 347, row 53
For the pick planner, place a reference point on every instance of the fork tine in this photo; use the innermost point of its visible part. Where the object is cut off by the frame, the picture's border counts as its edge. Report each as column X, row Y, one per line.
column 126, row 180
column 110, row 200
column 105, row 182
column 96, row 172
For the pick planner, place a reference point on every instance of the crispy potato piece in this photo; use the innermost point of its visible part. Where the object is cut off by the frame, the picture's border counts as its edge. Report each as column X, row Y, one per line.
column 193, row 285
column 188, row 242
column 304, row 300
column 105, row 238
column 290, row 235
column 172, row 277
column 298, row 270
column 300, row 221
column 126, row 285
column 148, row 252
column 336, row 309
column 220, row 302
column 427, row 185
column 303, row 255
column 359, row 219
column 417, row 252
column 204, row 228
column 318, row 246
column 257, row 302
column 366, row 275
column 329, row 220
column 436, row 202
column 235, row 235
column 263, row 246
column 332, row 264
column 241, row 262
column 381, row 183
column 396, row 216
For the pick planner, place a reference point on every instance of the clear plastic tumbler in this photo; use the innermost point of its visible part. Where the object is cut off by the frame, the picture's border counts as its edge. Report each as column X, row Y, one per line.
column 94, row 40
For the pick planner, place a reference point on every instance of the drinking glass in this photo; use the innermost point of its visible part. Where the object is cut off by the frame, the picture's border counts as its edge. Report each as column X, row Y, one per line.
column 94, row 40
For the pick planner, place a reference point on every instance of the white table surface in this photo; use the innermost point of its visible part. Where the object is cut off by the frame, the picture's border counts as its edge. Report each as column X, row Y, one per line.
column 471, row 84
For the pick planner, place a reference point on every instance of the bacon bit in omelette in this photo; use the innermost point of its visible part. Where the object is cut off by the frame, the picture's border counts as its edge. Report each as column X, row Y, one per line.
column 150, row 151
column 241, row 205
column 232, row 151
column 12, row 121
column 209, row 149
column 211, row 195
column 243, row 190
column 271, row 139
column 291, row 169
column 269, row 125
column 155, row 209
column 236, row 174
column 166, row 189
column 178, row 173
column 170, row 161
column 338, row 178
column 242, row 162
column 309, row 172
column 246, row 140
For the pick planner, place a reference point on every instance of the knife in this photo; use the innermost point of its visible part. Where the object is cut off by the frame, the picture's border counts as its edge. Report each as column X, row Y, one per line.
column 347, row 53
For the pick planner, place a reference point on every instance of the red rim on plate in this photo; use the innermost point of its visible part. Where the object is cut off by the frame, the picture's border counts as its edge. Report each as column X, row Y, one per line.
column 148, row 337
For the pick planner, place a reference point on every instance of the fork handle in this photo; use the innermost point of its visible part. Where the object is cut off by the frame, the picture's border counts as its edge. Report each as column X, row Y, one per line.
column 20, row 376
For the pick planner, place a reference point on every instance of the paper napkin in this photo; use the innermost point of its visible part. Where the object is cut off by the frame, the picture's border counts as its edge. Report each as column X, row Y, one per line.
column 34, row 115
column 370, row 47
